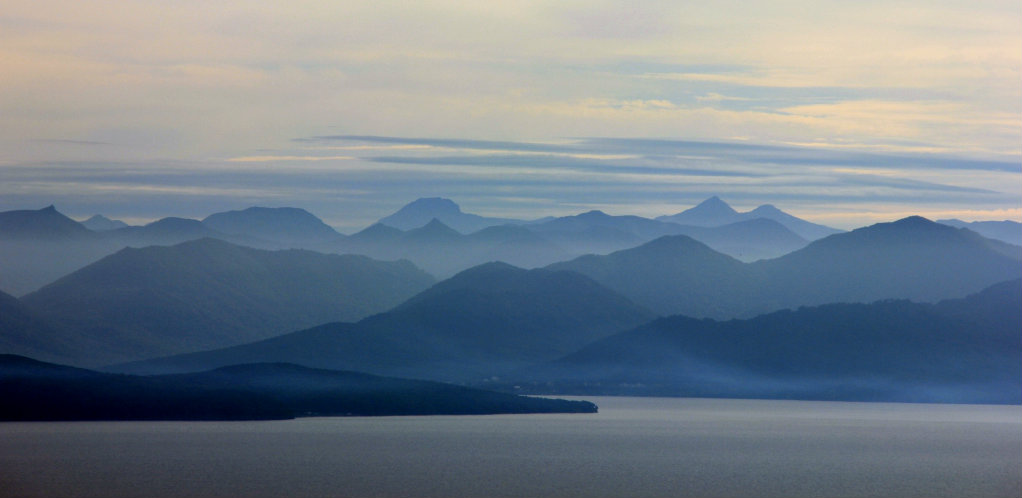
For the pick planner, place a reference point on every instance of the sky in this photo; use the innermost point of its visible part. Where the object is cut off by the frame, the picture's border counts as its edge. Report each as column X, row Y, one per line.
column 843, row 113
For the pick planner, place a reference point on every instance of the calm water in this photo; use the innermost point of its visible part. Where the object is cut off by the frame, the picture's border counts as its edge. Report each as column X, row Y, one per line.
column 633, row 447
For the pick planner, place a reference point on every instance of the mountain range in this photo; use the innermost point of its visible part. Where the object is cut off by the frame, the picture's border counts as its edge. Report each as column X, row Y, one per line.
column 957, row 351
column 209, row 293
column 913, row 258
column 483, row 322
column 421, row 211
column 1005, row 231
column 715, row 212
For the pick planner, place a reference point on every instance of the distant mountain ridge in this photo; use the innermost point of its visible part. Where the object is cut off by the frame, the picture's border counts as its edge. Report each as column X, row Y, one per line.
column 966, row 350
column 1005, row 231
column 715, row 212
column 913, row 258
column 421, row 211
column 290, row 226
column 100, row 223
column 482, row 322
column 208, row 293
column 42, row 224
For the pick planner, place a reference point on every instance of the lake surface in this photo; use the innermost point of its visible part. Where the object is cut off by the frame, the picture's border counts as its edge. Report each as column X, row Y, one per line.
column 633, row 447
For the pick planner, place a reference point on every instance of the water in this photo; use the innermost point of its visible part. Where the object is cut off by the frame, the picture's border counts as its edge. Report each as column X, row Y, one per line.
column 633, row 447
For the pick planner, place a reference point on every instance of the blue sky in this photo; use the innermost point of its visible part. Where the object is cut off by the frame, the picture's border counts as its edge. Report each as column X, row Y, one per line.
column 845, row 113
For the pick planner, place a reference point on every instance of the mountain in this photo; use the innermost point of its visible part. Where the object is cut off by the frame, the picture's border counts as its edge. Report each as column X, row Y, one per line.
column 443, row 251
column 480, row 323
column 709, row 213
column 422, row 211
column 1005, row 231
column 749, row 240
column 959, row 351
column 715, row 212
column 42, row 224
column 208, row 293
column 100, row 223
column 804, row 229
column 287, row 226
column 165, row 231
column 39, row 246
column 913, row 258
column 673, row 274
column 33, row 390
column 23, row 332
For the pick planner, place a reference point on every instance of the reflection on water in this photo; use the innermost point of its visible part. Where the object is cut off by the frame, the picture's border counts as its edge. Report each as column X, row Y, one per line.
column 633, row 447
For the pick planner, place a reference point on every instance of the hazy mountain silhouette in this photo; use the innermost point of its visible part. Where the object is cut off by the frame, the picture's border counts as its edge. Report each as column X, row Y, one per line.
column 41, row 224
column 39, row 246
column 709, row 213
column 909, row 259
column 595, row 232
column 23, row 332
column 284, row 226
column 959, row 351
column 100, row 223
column 672, row 274
column 912, row 258
column 1005, row 231
column 482, row 322
column 715, row 212
column 207, row 293
column 421, row 211
column 165, row 231
column 33, row 390
column 805, row 229
column 442, row 251
column 750, row 240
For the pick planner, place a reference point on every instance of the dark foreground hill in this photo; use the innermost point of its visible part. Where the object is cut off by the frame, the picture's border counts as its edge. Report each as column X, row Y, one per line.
column 207, row 293
column 482, row 322
column 33, row 390
column 958, row 351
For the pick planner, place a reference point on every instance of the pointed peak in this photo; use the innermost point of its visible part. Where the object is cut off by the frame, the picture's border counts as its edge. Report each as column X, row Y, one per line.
column 767, row 208
column 715, row 203
column 48, row 209
column 435, row 227
column 595, row 213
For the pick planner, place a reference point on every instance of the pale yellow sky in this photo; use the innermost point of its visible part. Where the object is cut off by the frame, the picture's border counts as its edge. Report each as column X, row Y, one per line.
column 143, row 81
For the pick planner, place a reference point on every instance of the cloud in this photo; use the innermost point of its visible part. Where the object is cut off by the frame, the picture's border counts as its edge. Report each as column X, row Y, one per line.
column 265, row 159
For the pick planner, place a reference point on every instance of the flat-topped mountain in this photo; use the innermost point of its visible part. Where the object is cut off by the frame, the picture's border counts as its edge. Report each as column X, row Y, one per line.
column 421, row 211
column 958, row 351
column 482, row 322
column 208, row 293
column 33, row 390
column 288, row 226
